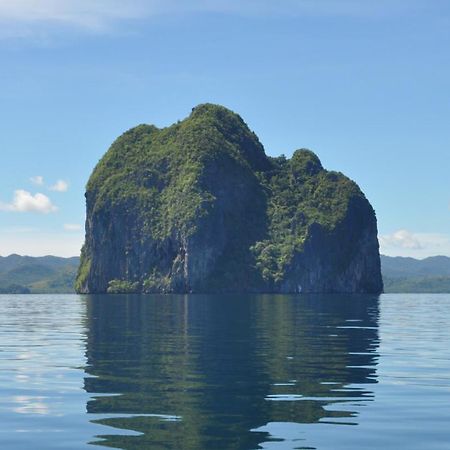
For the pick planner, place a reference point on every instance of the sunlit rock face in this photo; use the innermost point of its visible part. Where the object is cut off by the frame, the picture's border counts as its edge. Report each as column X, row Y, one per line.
column 199, row 207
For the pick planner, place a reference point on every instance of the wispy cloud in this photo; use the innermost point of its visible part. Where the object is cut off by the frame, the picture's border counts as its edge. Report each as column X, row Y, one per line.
column 37, row 180
column 21, row 17
column 60, row 186
column 419, row 245
column 15, row 230
column 72, row 226
column 85, row 13
column 24, row 201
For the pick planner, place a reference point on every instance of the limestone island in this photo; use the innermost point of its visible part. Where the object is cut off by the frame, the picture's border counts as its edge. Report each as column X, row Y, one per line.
column 198, row 207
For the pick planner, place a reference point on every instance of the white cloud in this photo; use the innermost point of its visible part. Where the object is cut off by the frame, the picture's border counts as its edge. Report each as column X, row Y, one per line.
column 60, row 186
column 38, row 179
column 400, row 239
column 72, row 226
column 417, row 245
column 24, row 201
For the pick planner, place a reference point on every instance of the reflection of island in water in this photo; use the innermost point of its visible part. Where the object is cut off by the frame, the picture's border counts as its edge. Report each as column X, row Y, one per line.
column 198, row 372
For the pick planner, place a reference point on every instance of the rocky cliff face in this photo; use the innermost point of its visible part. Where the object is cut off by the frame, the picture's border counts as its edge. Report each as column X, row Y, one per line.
column 199, row 207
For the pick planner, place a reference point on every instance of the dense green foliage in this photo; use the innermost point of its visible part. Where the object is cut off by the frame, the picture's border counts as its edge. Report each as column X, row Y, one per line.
column 148, row 168
column 49, row 274
column 300, row 193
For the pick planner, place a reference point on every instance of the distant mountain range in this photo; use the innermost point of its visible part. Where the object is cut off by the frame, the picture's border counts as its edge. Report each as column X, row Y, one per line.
column 46, row 274
column 52, row 274
column 416, row 275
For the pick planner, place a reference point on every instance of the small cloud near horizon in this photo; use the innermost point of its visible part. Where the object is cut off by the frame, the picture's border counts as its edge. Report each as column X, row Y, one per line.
column 72, row 227
column 416, row 245
column 24, row 201
column 60, row 186
column 400, row 239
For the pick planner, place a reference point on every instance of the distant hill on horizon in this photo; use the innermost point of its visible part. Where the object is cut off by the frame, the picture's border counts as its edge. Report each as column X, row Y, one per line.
column 407, row 275
column 37, row 275
column 54, row 274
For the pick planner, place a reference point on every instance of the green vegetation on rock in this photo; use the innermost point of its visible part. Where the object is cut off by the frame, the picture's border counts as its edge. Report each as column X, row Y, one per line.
column 122, row 287
column 301, row 193
column 199, row 207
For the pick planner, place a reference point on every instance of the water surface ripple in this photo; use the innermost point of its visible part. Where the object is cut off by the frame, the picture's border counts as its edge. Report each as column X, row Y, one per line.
column 225, row 372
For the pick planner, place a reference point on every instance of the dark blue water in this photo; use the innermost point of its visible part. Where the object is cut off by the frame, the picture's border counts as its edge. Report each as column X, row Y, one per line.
column 225, row 372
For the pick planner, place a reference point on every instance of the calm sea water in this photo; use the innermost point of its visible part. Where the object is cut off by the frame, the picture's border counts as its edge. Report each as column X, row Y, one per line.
column 225, row 372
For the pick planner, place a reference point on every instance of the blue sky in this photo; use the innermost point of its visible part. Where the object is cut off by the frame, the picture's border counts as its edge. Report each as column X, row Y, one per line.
column 364, row 84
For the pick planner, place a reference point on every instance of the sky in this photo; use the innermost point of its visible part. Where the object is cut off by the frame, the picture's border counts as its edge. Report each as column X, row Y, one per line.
column 364, row 84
